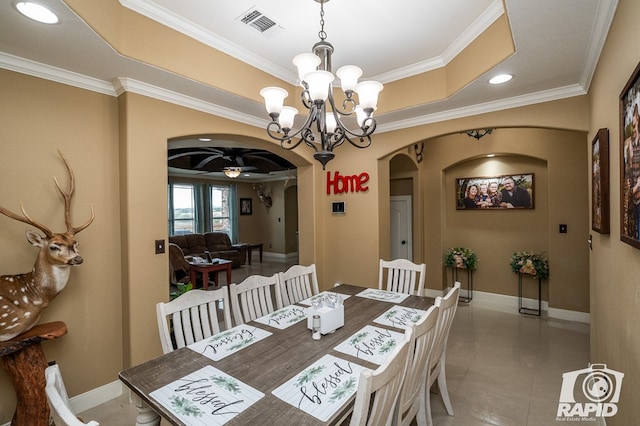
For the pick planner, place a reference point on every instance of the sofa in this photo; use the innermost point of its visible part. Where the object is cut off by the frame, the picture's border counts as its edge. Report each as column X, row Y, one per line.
column 218, row 244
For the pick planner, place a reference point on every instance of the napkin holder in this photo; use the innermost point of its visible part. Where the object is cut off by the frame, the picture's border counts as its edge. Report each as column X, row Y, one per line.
column 331, row 319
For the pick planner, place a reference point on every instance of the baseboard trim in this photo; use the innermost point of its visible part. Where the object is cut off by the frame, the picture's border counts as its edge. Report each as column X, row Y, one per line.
column 504, row 303
column 282, row 257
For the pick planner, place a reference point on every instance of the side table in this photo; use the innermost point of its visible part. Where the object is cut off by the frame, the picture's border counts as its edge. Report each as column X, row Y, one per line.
column 525, row 310
column 205, row 268
column 251, row 247
column 24, row 361
column 469, row 296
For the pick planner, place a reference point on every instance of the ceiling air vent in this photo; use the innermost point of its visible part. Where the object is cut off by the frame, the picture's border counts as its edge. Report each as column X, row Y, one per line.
column 260, row 22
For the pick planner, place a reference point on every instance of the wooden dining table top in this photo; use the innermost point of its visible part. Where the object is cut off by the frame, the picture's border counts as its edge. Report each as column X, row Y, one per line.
column 267, row 364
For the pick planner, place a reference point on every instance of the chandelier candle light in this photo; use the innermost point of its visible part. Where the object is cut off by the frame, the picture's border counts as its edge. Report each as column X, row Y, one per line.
column 323, row 130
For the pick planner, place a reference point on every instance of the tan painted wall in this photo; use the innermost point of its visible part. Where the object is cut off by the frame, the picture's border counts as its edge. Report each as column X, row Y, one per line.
column 615, row 266
column 119, row 148
column 129, row 137
column 36, row 118
column 556, row 158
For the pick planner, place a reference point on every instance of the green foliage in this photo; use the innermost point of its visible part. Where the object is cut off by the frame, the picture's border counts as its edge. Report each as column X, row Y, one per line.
column 182, row 289
column 461, row 257
column 529, row 263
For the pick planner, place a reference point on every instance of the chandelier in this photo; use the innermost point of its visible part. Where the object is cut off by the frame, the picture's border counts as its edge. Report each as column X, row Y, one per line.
column 478, row 133
column 323, row 129
column 232, row 172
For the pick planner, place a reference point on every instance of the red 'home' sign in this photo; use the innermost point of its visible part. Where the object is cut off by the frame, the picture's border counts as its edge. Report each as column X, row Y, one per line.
column 342, row 184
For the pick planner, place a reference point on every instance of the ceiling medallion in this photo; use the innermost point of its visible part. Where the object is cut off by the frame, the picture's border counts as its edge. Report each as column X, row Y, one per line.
column 323, row 129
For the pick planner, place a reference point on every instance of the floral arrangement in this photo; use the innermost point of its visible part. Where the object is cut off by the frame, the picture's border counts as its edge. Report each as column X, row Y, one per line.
column 533, row 264
column 461, row 257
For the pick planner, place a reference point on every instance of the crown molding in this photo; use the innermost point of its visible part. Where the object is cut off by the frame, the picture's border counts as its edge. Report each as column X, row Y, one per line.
column 177, row 23
column 121, row 85
column 487, row 107
column 59, row 75
column 134, row 86
column 604, row 18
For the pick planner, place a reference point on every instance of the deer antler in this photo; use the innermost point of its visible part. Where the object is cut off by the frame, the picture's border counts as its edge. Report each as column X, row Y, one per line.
column 67, row 195
column 26, row 219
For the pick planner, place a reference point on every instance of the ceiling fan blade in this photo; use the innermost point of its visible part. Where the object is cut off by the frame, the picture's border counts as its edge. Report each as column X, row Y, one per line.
column 207, row 161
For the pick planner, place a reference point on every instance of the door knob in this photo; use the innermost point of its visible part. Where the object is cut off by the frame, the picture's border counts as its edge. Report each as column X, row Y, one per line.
column 404, row 242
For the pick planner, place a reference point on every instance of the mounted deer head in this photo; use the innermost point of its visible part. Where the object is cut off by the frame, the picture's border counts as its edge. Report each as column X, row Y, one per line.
column 23, row 297
column 262, row 195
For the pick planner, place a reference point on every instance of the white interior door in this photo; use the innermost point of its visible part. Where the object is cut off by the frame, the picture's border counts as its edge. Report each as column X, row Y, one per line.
column 401, row 235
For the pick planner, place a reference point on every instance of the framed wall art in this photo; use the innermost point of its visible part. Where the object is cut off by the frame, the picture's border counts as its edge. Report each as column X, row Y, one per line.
column 600, row 182
column 495, row 192
column 630, row 161
column 245, row 206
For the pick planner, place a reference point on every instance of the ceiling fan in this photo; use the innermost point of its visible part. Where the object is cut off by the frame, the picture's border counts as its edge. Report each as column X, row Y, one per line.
column 218, row 159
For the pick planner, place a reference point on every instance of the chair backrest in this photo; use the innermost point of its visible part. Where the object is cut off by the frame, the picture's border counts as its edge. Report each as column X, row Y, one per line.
column 403, row 276
column 424, row 337
column 448, row 306
column 177, row 261
column 383, row 386
column 192, row 316
column 254, row 296
column 298, row 283
column 59, row 400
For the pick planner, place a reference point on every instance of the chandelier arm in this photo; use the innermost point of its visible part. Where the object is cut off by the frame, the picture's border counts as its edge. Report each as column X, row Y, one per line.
column 305, row 98
column 336, row 111
column 309, row 139
column 278, row 129
column 338, row 137
column 365, row 141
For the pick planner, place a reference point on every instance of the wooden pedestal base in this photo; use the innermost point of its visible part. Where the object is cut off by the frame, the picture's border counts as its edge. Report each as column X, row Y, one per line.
column 24, row 361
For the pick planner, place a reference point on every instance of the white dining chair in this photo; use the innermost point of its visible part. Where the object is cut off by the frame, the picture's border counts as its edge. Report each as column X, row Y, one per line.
column 448, row 306
column 402, row 276
column 254, row 297
column 59, row 400
column 192, row 316
column 298, row 283
column 378, row 390
column 414, row 391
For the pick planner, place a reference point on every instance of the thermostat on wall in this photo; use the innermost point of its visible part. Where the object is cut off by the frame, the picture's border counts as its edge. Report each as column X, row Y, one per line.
column 337, row 207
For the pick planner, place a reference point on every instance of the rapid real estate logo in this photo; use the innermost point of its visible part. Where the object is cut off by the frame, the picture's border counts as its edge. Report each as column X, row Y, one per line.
column 589, row 393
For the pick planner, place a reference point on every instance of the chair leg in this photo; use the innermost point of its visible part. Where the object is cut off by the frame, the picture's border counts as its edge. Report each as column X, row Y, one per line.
column 426, row 408
column 421, row 416
column 444, row 392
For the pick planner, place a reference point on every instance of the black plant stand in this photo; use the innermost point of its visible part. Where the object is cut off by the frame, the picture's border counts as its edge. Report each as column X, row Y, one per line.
column 469, row 296
column 529, row 311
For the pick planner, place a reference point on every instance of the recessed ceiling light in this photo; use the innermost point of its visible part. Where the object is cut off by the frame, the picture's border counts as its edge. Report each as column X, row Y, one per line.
column 500, row 78
column 490, row 155
column 37, row 12
column 204, row 139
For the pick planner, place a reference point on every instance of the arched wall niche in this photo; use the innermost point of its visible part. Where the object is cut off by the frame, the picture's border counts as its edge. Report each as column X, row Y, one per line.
column 557, row 159
column 495, row 234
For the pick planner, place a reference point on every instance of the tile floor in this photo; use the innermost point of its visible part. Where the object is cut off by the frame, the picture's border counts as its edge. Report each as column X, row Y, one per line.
column 503, row 368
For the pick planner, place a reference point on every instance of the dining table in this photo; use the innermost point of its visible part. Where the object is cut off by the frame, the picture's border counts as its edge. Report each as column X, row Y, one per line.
column 284, row 376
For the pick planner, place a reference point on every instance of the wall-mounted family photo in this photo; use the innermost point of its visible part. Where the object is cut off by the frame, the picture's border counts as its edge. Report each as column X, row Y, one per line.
column 630, row 161
column 495, row 192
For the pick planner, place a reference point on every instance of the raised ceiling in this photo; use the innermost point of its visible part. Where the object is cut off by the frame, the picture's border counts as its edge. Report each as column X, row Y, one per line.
column 557, row 45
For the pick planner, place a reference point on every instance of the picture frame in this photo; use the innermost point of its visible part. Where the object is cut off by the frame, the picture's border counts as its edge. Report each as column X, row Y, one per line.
column 246, row 207
column 600, row 182
column 501, row 192
column 630, row 161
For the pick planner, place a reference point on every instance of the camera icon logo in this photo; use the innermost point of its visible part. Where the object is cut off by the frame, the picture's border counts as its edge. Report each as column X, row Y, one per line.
column 590, row 392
